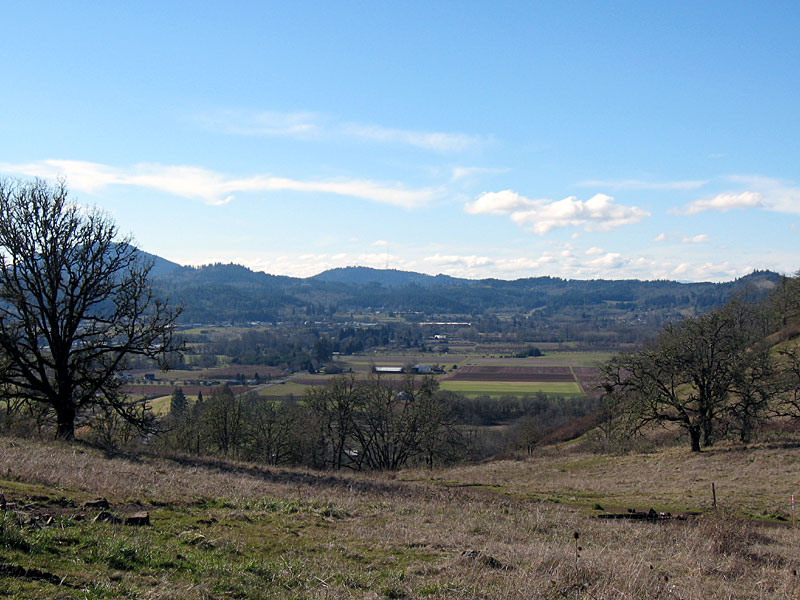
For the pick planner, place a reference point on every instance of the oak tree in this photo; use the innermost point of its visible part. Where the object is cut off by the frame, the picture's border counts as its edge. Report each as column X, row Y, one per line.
column 702, row 374
column 75, row 305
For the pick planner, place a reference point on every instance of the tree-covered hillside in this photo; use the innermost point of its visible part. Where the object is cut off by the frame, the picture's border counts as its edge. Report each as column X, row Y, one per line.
column 232, row 293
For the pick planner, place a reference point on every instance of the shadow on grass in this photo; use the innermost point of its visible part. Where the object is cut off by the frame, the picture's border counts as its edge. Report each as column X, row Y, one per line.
column 326, row 480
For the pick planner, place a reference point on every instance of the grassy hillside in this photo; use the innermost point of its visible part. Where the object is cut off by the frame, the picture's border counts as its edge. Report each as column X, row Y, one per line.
column 500, row 530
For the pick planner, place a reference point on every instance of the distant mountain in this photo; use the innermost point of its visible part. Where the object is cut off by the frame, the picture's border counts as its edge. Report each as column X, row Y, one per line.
column 161, row 266
column 386, row 277
column 230, row 274
column 233, row 293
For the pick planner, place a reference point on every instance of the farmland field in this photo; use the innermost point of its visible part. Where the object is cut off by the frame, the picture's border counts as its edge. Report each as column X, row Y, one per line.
column 511, row 388
column 494, row 374
column 154, row 391
column 286, row 389
column 500, row 373
column 584, row 359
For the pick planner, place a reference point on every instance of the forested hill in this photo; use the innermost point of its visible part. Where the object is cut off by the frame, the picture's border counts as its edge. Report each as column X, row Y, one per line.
column 387, row 277
column 233, row 293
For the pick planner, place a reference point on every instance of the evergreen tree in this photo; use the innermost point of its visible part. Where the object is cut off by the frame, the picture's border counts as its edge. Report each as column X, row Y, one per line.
column 178, row 403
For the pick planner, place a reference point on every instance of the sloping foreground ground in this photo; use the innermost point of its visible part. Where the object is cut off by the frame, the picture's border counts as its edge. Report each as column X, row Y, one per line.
column 755, row 482
column 227, row 530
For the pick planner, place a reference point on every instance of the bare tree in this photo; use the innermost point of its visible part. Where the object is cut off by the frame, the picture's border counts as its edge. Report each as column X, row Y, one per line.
column 335, row 408
column 392, row 425
column 691, row 375
column 225, row 420
column 270, row 432
column 75, row 304
column 784, row 301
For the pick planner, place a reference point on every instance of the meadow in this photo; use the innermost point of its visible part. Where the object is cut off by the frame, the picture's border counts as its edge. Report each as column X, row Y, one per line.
column 524, row 528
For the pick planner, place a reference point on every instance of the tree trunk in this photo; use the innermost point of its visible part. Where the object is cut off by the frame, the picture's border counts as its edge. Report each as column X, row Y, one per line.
column 66, row 422
column 694, row 437
column 708, row 432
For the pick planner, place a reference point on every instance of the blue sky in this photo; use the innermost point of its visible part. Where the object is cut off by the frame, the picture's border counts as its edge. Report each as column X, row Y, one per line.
column 573, row 139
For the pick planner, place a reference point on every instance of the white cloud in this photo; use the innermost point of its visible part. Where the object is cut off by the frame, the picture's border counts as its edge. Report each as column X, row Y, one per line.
column 661, row 237
column 304, row 265
column 377, row 260
column 761, row 192
column 499, row 203
column 725, row 202
column 211, row 187
column 777, row 195
column 464, row 172
column 611, row 260
column 594, row 251
column 638, row 184
column 461, row 261
column 598, row 213
column 560, row 262
column 706, row 271
column 697, row 239
column 380, row 243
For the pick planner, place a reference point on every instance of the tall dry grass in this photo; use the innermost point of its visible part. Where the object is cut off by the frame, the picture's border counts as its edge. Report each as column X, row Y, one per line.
column 433, row 541
column 756, row 481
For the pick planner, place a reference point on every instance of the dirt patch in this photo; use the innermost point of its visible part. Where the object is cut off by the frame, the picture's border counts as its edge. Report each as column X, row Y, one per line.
column 522, row 374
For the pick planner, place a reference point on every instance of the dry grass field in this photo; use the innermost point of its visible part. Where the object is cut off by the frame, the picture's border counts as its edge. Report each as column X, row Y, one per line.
column 755, row 482
column 221, row 529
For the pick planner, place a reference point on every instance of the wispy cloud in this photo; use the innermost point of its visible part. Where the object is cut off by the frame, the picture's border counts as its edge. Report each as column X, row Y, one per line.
column 264, row 123
column 436, row 141
column 454, row 260
column 759, row 192
column 500, row 203
column 640, row 184
column 725, row 202
column 777, row 195
column 562, row 261
column 212, row 187
column 598, row 213
column 701, row 238
column 311, row 125
column 610, row 260
column 703, row 271
column 460, row 173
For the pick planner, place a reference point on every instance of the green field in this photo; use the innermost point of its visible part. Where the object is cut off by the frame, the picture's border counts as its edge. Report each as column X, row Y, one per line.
column 511, row 388
column 284, row 389
column 574, row 359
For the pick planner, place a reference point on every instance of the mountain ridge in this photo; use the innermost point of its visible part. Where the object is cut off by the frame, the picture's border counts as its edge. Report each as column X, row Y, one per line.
column 234, row 293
